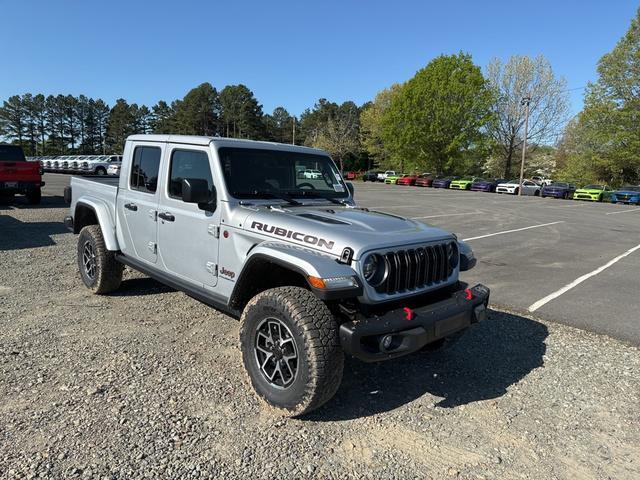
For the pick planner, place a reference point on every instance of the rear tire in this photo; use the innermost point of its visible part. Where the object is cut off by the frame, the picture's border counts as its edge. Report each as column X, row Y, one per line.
column 34, row 196
column 291, row 349
column 100, row 271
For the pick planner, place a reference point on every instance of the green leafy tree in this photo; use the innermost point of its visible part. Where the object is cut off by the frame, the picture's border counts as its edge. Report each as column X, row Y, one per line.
column 198, row 112
column 121, row 124
column 340, row 134
column 603, row 142
column 241, row 113
column 437, row 115
column 163, row 117
column 279, row 125
column 371, row 126
column 13, row 119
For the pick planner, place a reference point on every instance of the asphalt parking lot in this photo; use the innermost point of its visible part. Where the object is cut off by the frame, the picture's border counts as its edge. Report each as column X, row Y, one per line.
column 531, row 249
column 148, row 383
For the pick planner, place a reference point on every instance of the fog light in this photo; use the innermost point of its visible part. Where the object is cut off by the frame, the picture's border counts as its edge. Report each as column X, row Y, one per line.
column 385, row 342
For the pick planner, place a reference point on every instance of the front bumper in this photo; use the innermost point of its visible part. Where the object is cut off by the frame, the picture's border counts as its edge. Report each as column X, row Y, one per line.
column 412, row 329
column 591, row 197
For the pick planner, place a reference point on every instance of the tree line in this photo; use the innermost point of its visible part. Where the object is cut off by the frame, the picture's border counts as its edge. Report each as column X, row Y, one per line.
column 451, row 117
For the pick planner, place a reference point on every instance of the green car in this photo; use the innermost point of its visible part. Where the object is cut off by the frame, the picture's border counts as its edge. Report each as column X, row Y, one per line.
column 593, row 193
column 392, row 179
column 463, row 183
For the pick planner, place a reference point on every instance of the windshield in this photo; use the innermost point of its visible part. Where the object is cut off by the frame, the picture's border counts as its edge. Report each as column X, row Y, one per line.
column 559, row 184
column 11, row 153
column 594, row 187
column 257, row 173
column 631, row 188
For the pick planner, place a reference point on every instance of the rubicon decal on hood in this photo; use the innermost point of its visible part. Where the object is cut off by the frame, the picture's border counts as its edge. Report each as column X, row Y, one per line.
column 298, row 236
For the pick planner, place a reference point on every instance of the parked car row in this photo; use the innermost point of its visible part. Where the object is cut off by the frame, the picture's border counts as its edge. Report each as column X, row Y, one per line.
column 536, row 186
column 80, row 164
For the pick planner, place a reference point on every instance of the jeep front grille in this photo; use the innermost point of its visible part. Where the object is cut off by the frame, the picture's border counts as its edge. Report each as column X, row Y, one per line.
column 416, row 268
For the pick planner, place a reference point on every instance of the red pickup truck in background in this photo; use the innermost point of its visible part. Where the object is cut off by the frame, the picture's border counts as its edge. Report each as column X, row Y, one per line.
column 17, row 176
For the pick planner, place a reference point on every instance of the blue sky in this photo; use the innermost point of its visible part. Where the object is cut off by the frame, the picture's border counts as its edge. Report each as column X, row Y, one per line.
column 288, row 52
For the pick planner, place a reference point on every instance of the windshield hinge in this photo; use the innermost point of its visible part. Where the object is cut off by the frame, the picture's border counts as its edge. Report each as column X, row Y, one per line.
column 214, row 230
column 212, row 268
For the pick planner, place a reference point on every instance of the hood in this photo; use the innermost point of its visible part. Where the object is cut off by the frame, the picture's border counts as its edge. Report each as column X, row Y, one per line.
column 331, row 229
column 508, row 184
column 589, row 190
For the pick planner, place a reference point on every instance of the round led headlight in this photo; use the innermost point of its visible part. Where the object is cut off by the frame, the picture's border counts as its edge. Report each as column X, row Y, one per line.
column 374, row 269
column 452, row 253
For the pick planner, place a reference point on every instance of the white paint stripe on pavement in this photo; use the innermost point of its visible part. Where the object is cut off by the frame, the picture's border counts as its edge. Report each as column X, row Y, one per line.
column 625, row 211
column 447, row 215
column 578, row 281
column 512, row 231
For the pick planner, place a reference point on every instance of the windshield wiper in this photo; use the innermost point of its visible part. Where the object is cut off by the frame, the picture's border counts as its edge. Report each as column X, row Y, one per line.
column 314, row 194
column 269, row 194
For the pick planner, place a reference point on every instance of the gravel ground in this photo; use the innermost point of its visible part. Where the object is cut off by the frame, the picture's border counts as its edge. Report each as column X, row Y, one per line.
column 148, row 383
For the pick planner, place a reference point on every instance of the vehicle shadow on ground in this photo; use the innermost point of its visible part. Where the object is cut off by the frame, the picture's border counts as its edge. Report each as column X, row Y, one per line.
column 17, row 235
column 134, row 287
column 20, row 202
column 488, row 359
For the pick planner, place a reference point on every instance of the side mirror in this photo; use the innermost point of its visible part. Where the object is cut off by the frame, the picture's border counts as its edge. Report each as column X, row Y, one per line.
column 196, row 190
column 351, row 189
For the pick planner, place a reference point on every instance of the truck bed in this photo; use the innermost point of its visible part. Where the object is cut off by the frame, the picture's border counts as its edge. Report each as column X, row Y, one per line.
column 98, row 190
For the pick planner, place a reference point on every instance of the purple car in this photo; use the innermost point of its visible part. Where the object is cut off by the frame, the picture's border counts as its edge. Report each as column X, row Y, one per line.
column 443, row 182
column 482, row 185
column 558, row 190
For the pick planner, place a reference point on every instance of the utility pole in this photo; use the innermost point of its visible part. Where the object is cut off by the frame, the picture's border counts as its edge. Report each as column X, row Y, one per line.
column 293, row 140
column 525, row 101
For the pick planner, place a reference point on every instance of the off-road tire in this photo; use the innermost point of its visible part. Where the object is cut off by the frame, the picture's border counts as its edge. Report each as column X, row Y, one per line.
column 107, row 273
column 315, row 332
column 34, row 196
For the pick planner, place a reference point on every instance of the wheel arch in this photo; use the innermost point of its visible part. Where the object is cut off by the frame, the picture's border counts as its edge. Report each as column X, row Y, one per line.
column 274, row 264
column 91, row 212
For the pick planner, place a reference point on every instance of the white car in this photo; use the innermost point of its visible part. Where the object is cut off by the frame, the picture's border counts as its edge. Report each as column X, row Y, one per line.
column 312, row 174
column 542, row 181
column 389, row 173
column 114, row 169
column 98, row 164
column 512, row 187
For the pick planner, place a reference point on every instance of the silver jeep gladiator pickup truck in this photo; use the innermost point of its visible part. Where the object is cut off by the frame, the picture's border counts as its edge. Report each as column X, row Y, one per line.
column 308, row 273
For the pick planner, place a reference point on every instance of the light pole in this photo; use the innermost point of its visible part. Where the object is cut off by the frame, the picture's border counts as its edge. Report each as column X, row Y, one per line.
column 293, row 139
column 525, row 101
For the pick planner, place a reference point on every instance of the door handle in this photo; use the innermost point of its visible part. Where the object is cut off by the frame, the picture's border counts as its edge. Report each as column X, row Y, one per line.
column 166, row 216
column 131, row 206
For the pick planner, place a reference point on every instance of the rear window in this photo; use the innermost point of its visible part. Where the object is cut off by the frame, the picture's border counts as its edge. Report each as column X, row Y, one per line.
column 11, row 153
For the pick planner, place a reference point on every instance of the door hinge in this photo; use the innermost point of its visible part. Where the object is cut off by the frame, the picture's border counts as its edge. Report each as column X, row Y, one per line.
column 152, row 247
column 214, row 230
column 153, row 215
column 212, row 268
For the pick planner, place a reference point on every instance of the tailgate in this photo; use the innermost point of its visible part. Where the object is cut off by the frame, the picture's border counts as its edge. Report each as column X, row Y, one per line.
column 20, row 172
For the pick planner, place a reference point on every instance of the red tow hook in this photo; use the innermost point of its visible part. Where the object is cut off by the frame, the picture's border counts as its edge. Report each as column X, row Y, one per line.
column 408, row 313
column 468, row 294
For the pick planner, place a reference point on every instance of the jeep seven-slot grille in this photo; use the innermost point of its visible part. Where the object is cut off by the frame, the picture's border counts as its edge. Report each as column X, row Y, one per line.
column 415, row 268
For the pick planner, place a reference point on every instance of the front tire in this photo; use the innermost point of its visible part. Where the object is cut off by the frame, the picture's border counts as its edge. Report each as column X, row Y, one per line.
column 101, row 171
column 100, row 271
column 291, row 349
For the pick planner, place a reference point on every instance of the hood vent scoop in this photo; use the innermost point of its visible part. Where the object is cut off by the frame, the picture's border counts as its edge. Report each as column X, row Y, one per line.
column 320, row 218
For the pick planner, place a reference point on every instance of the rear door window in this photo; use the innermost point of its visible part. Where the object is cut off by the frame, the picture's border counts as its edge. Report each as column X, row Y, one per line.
column 144, row 169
